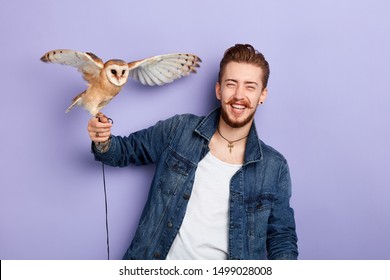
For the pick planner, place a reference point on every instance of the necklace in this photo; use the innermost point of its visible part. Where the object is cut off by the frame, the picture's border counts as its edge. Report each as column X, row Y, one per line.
column 230, row 143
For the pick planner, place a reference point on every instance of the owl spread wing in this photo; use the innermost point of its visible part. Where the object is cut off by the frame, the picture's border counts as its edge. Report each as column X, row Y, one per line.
column 162, row 69
column 86, row 62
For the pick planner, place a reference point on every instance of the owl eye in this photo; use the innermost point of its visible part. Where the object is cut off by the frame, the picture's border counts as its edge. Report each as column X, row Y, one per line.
column 123, row 72
column 113, row 71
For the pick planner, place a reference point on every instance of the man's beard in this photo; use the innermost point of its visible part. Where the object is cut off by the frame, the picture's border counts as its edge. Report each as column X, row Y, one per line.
column 232, row 122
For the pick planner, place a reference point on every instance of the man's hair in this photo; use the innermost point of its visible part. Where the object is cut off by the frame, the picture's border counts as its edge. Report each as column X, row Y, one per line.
column 247, row 54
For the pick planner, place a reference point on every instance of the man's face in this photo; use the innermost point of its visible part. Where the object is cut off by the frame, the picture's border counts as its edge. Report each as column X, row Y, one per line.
column 240, row 91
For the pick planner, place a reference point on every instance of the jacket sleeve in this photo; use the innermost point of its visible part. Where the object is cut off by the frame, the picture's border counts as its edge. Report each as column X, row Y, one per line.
column 282, row 238
column 141, row 147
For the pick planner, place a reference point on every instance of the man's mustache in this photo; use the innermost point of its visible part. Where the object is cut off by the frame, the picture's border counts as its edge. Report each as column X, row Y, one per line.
column 242, row 101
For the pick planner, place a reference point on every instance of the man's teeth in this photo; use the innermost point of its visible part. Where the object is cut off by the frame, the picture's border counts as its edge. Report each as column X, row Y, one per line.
column 236, row 106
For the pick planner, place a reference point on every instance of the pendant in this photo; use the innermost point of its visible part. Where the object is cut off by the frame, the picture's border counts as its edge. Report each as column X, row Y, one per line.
column 230, row 146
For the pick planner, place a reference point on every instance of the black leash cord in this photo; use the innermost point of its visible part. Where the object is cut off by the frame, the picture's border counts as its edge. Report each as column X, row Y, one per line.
column 105, row 201
column 99, row 116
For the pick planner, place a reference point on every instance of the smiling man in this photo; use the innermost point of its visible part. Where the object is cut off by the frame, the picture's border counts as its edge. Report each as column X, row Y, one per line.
column 219, row 192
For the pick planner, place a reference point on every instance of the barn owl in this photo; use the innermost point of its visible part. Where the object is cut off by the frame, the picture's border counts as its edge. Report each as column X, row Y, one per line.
column 105, row 80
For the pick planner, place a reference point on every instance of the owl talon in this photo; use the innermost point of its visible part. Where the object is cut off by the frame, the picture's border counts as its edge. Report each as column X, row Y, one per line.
column 103, row 118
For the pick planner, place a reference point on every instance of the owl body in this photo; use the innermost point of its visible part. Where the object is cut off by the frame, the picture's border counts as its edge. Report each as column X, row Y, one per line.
column 103, row 89
column 96, row 97
column 106, row 80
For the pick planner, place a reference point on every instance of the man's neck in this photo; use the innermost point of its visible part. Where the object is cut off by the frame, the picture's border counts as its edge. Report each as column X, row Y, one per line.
column 228, row 143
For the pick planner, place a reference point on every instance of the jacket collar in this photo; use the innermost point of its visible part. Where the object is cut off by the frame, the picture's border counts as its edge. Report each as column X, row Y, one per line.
column 209, row 124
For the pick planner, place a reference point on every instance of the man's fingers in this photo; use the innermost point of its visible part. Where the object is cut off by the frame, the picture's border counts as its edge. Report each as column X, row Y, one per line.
column 95, row 126
column 98, row 131
column 99, row 138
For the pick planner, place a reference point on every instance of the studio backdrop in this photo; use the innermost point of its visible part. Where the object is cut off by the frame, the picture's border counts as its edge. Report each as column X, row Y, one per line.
column 327, row 112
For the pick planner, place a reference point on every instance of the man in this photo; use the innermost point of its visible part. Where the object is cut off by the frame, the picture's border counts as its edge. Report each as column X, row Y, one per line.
column 218, row 192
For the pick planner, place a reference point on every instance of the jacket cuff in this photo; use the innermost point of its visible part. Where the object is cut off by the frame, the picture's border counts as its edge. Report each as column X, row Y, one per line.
column 104, row 154
column 285, row 256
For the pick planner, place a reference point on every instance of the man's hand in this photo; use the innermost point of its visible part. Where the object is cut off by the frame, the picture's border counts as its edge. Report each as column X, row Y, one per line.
column 99, row 131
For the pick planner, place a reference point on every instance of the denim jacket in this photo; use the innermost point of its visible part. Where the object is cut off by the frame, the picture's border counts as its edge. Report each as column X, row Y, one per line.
column 261, row 222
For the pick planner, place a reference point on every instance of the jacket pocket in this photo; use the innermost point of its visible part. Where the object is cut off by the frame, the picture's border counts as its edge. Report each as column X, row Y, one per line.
column 176, row 170
column 258, row 210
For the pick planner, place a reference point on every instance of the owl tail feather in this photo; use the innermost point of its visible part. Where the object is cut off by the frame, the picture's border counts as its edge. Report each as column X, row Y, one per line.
column 75, row 101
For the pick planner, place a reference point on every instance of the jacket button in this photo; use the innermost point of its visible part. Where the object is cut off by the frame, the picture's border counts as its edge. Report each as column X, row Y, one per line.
column 157, row 255
column 186, row 196
column 170, row 225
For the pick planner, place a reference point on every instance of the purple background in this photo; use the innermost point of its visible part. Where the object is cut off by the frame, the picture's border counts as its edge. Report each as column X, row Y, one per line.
column 327, row 112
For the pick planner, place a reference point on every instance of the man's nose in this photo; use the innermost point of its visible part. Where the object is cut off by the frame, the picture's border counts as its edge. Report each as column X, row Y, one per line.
column 239, row 93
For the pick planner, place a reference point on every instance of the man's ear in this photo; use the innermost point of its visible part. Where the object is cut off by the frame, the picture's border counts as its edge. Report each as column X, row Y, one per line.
column 263, row 96
column 218, row 91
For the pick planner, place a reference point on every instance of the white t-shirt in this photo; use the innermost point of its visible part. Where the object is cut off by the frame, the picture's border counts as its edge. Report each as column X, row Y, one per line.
column 204, row 231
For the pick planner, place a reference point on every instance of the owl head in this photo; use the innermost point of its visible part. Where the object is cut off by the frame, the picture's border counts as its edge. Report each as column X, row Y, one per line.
column 117, row 71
